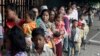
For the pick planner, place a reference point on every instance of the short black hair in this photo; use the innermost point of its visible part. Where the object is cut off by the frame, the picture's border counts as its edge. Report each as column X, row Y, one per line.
column 56, row 16
column 11, row 6
column 17, row 39
column 73, row 3
column 68, row 9
column 74, row 21
column 45, row 10
column 60, row 7
column 31, row 14
column 56, row 34
column 38, row 31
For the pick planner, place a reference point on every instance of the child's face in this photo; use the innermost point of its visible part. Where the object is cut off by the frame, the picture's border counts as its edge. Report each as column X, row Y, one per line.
column 75, row 24
column 45, row 16
column 11, row 14
column 82, row 17
column 52, row 15
column 39, row 41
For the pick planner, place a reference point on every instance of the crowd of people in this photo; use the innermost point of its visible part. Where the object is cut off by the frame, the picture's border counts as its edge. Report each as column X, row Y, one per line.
column 46, row 32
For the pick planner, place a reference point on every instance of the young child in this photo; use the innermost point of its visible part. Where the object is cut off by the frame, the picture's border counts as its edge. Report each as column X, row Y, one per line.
column 85, row 30
column 28, row 26
column 59, row 27
column 74, row 38
column 40, row 49
column 59, row 24
column 81, row 35
column 85, row 27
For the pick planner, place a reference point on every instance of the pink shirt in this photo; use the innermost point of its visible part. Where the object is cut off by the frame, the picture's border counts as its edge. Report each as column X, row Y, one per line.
column 67, row 24
column 60, row 27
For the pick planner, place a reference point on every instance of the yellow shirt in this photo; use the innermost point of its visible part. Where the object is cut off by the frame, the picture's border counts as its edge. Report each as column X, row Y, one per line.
column 81, row 35
column 28, row 27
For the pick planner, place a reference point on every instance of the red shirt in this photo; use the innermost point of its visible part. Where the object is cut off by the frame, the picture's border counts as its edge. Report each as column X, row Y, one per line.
column 11, row 24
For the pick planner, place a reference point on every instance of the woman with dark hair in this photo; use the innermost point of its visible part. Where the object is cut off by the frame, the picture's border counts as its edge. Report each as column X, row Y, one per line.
column 44, row 16
column 17, row 42
column 61, row 10
column 48, row 34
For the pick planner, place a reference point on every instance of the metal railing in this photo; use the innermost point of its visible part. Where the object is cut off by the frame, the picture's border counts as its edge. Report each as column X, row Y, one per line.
column 22, row 5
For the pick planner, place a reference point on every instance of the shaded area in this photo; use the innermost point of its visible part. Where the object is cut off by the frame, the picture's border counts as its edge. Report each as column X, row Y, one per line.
column 57, row 3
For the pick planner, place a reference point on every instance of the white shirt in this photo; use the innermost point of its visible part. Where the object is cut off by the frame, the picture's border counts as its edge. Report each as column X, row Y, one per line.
column 46, row 52
column 74, row 14
column 77, row 34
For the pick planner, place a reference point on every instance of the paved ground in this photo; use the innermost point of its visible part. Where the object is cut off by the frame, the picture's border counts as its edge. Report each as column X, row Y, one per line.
column 95, row 31
column 91, row 50
column 97, row 38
